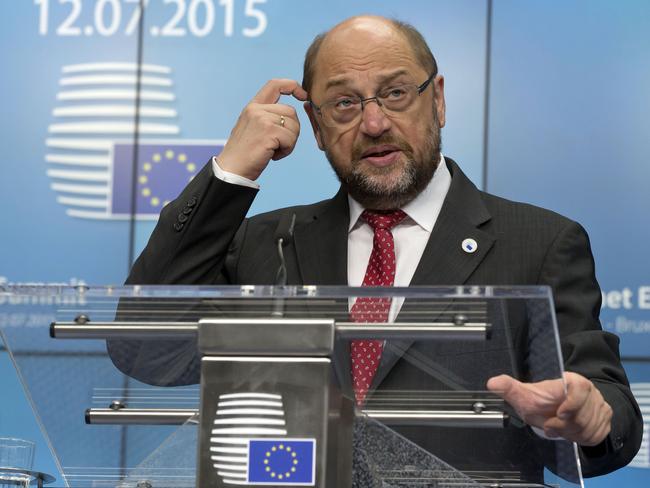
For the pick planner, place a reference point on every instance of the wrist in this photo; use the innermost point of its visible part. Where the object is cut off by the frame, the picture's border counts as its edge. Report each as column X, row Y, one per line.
column 231, row 165
column 229, row 177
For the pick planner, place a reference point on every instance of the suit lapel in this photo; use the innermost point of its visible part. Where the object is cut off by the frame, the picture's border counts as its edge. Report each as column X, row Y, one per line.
column 322, row 244
column 444, row 262
column 322, row 250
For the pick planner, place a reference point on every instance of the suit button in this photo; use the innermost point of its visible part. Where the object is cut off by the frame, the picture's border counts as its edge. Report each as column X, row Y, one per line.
column 182, row 217
column 191, row 202
column 187, row 210
column 618, row 442
column 178, row 226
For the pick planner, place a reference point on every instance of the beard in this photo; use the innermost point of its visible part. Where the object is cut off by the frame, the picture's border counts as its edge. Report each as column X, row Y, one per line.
column 389, row 187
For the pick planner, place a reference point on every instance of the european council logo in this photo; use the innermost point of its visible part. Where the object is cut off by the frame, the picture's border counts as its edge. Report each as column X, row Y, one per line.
column 250, row 443
column 288, row 462
column 96, row 171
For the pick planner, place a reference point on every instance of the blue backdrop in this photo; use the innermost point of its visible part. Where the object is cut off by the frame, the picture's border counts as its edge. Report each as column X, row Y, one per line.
column 547, row 103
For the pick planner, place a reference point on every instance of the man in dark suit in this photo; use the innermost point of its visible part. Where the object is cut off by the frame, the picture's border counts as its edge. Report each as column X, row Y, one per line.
column 376, row 105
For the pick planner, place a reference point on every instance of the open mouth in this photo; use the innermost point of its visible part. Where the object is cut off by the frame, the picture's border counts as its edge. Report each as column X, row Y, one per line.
column 381, row 155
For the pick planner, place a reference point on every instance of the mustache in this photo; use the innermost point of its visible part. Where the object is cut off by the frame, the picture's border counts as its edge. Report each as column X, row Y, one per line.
column 386, row 139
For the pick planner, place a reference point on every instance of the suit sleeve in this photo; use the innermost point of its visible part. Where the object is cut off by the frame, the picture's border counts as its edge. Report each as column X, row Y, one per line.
column 191, row 244
column 588, row 350
column 191, row 241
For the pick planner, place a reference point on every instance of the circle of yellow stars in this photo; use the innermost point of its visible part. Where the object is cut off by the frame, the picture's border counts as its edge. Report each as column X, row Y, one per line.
column 148, row 166
column 286, row 474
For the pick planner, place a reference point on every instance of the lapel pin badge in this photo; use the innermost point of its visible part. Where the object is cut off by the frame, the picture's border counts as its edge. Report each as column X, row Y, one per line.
column 469, row 245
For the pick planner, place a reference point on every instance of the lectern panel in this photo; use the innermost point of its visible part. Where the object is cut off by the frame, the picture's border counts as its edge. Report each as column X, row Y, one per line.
column 222, row 386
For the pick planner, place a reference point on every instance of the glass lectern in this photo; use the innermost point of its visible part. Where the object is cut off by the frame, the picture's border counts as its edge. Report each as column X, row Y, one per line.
column 251, row 385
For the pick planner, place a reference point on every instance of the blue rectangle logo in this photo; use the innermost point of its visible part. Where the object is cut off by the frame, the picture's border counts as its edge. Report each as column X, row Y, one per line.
column 290, row 462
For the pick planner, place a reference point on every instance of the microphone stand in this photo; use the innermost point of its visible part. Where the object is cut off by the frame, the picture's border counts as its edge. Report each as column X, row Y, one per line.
column 284, row 235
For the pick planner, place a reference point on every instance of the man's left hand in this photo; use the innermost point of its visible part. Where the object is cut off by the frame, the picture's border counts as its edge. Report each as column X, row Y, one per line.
column 580, row 414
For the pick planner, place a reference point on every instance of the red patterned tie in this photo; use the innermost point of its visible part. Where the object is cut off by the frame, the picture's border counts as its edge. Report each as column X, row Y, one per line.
column 365, row 354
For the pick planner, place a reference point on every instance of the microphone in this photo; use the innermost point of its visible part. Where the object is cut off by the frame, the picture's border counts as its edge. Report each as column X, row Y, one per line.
column 283, row 237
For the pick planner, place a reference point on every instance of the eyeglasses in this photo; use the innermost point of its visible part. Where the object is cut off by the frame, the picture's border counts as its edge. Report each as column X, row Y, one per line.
column 346, row 111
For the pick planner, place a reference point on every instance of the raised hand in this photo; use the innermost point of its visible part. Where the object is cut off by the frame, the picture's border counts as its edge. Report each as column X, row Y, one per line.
column 580, row 414
column 265, row 130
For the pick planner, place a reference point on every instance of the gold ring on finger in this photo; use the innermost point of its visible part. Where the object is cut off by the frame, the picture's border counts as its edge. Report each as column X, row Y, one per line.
column 282, row 120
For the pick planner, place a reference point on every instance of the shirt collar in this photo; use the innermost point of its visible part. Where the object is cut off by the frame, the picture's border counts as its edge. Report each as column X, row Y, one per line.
column 424, row 208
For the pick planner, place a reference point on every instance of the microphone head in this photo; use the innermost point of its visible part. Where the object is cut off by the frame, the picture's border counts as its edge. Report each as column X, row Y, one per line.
column 284, row 230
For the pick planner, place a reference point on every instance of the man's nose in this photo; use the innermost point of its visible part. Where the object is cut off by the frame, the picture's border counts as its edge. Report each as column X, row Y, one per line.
column 374, row 121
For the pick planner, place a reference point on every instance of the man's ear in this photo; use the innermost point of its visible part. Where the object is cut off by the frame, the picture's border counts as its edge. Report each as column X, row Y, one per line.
column 314, row 124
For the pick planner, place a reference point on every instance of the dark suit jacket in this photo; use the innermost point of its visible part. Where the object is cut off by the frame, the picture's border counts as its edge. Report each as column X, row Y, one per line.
column 203, row 237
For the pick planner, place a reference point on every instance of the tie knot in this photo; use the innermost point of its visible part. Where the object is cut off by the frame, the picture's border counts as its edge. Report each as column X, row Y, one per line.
column 383, row 220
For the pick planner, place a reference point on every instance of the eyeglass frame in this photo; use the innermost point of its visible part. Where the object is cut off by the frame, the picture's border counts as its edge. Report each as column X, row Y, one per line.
column 363, row 101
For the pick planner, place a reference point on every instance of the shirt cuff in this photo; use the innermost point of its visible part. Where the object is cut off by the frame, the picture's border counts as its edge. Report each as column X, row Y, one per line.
column 231, row 177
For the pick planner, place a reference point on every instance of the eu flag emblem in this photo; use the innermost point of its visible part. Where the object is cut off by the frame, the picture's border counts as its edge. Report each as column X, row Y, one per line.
column 162, row 171
column 289, row 462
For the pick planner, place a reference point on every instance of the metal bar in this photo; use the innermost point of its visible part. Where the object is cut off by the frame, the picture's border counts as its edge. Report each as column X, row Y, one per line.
column 140, row 416
column 179, row 416
column 441, row 482
column 413, row 330
column 126, row 330
column 440, row 418
column 344, row 330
